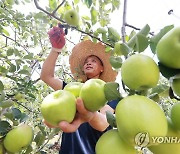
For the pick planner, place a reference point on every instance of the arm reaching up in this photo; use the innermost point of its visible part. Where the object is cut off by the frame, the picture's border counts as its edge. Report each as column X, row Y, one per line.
column 56, row 36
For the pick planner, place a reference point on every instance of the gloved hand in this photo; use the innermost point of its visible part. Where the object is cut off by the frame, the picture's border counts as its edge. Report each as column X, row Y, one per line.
column 56, row 36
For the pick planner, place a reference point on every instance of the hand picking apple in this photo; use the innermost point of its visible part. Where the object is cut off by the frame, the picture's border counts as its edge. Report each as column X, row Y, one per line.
column 93, row 69
column 56, row 36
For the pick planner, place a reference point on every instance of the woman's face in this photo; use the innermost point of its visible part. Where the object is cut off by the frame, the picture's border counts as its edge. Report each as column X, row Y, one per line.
column 93, row 67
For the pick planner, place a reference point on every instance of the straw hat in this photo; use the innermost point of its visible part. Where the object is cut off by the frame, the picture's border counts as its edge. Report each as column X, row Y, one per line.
column 85, row 49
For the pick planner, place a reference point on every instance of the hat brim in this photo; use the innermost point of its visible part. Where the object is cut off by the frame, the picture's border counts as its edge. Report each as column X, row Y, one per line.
column 85, row 49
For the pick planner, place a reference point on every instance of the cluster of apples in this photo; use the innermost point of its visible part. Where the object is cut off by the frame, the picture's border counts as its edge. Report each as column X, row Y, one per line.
column 168, row 53
column 17, row 139
column 139, row 114
column 134, row 114
column 60, row 105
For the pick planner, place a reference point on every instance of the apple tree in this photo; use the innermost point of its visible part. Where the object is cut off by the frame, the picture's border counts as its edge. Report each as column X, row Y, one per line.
column 24, row 45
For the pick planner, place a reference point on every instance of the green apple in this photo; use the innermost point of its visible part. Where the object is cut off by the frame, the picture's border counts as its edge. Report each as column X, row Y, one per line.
column 138, row 114
column 58, row 106
column 176, row 86
column 168, row 49
column 1, row 148
column 74, row 88
column 166, row 147
column 111, row 143
column 18, row 138
column 175, row 115
column 140, row 72
column 92, row 94
column 71, row 17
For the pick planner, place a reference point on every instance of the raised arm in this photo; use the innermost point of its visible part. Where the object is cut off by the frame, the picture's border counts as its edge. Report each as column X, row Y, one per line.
column 56, row 36
column 47, row 72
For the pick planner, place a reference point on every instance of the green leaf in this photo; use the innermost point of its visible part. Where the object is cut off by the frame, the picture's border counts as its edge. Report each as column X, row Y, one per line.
column 24, row 72
column 39, row 138
column 116, row 62
column 52, row 4
column 53, row 133
column 76, row 1
column 24, row 117
column 121, row 49
column 29, row 150
column 88, row 3
column 143, row 32
column 141, row 43
column 4, row 127
column 154, row 97
column 159, row 89
column 113, row 34
column 94, row 14
column 16, row 113
column 1, row 86
column 86, row 18
column 6, row 103
column 111, row 119
column 3, row 70
column 29, row 56
column 2, row 95
column 12, row 68
column 9, row 115
column 10, row 52
column 111, row 90
column 5, row 32
column 166, row 71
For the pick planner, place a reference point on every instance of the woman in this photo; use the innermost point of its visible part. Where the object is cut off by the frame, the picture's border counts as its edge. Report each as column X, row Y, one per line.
column 88, row 60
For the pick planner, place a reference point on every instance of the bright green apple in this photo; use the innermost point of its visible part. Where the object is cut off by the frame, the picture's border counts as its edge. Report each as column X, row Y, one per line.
column 175, row 115
column 18, row 138
column 167, row 146
column 71, row 17
column 138, row 114
column 176, row 86
column 74, row 88
column 168, row 49
column 92, row 94
column 111, row 143
column 58, row 106
column 140, row 72
column 1, row 148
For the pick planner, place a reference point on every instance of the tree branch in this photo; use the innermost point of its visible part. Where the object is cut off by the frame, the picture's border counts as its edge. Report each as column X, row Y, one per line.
column 151, row 33
column 123, row 31
column 52, row 15
column 15, row 42
column 58, row 7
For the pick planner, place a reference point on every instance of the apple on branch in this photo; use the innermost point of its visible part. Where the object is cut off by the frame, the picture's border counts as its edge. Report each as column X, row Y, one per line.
column 140, row 72
column 18, row 138
column 168, row 49
column 71, row 17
